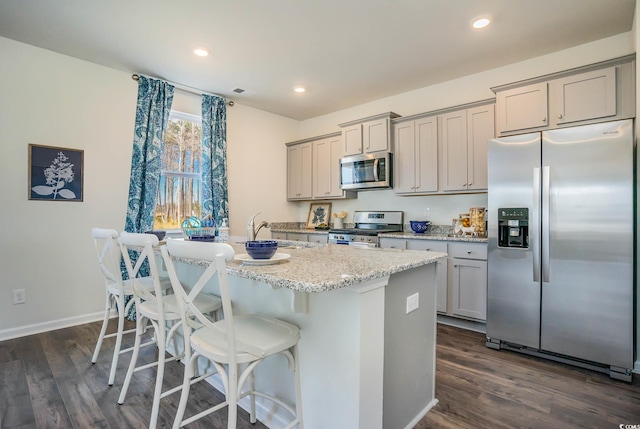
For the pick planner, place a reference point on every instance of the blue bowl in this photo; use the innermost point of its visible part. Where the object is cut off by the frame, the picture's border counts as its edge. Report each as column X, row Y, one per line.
column 419, row 226
column 261, row 249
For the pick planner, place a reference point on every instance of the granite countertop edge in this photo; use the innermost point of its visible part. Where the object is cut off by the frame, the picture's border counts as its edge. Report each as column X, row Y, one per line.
column 403, row 234
column 331, row 261
column 328, row 285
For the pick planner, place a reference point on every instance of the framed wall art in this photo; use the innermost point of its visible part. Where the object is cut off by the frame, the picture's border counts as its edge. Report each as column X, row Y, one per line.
column 319, row 215
column 55, row 173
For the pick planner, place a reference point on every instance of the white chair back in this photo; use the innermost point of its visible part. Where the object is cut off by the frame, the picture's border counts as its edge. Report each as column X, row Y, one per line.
column 106, row 243
column 217, row 254
column 132, row 243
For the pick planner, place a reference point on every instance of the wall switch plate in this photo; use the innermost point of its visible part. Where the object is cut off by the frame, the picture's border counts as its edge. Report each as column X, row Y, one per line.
column 427, row 212
column 19, row 296
column 413, row 302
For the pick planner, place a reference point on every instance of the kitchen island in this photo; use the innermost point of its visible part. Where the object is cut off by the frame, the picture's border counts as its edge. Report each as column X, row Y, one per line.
column 365, row 362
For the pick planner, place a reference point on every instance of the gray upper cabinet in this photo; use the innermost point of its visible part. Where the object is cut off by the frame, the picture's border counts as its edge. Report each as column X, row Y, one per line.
column 589, row 94
column 416, row 156
column 367, row 135
column 586, row 96
column 326, row 168
column 522, row 108
column 463, row 147
column 299, row 171
column 313, row 169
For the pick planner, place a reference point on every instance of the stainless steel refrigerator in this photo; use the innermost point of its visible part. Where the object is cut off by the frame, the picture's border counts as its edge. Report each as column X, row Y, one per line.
column 561, row 245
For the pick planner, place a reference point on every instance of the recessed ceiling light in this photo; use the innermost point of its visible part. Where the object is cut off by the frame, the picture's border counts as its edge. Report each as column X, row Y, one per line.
column 299, row 89
column 201, row 52
column 481, row 22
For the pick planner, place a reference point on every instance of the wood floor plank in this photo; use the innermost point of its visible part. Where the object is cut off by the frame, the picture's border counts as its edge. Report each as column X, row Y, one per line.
column 15, row 404
column 47, row 381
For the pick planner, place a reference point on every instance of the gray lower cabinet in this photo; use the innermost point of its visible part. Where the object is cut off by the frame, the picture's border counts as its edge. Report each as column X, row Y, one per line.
column 278, row 235
column 299, row 236
column 468, row 280
column 461, row 278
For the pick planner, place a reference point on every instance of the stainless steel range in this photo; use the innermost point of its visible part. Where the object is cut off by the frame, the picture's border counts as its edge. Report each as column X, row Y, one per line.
column 367, row 227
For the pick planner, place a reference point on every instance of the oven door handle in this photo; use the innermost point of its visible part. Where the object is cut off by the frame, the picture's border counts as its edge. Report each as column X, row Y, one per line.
column 376, row 163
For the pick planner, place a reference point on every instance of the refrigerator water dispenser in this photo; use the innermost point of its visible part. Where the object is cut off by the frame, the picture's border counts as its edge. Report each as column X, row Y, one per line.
column 513, row 228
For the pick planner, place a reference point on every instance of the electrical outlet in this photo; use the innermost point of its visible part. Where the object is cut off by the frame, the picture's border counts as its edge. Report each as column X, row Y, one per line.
column 413, row 302
column 427, row 213
column 19, row 296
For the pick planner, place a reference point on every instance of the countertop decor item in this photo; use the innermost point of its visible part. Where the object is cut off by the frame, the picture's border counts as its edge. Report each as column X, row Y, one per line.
column 261, row 249
column 318, row 214
column 338, row 219
column 419, row 226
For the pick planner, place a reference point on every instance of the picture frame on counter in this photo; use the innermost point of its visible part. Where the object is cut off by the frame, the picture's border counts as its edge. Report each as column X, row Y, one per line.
column 319, row 214
column 55, row 173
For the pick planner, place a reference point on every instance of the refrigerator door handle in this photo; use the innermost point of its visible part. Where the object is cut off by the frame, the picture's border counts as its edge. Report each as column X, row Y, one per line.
column 535, row 225
column 545, row 223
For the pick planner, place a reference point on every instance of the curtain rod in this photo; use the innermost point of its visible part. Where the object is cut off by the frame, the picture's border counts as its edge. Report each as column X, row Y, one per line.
column 183, row 88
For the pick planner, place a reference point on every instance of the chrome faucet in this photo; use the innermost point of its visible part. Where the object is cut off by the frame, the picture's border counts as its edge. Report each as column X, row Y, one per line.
column 252, row 229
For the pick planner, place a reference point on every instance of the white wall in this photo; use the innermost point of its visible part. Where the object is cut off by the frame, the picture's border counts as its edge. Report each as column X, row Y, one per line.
column 52, row 99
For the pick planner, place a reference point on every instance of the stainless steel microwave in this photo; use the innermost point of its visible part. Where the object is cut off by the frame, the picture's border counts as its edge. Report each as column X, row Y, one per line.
column 371, row 171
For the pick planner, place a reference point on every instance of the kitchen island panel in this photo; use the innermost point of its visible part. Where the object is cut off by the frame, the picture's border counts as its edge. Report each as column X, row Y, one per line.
column 353, row 346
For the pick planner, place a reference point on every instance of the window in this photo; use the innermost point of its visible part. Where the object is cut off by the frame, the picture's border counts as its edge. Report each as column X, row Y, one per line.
column 180, row 177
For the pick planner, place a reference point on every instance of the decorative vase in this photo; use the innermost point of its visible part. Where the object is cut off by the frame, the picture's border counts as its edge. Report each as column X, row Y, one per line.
column 337, row 223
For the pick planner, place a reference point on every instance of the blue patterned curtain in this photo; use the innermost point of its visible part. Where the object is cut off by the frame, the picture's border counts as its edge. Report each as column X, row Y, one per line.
column 215, row 198
column 152, row 114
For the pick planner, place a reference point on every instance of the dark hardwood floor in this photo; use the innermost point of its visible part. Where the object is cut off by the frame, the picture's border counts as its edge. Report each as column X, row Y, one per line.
column 48, row 381
column 478, row 387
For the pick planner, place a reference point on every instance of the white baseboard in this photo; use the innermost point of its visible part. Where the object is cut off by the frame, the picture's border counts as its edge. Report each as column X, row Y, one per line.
column 422, row 413
column 23, row 331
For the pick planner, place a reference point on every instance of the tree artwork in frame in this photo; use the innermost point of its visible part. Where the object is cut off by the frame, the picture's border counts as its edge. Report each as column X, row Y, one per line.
column 55, row 173
column 319, row 215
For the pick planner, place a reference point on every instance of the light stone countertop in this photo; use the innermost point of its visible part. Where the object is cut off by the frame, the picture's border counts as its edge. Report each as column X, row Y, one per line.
column 404, row 234
column 439, row 237
column 323, row 268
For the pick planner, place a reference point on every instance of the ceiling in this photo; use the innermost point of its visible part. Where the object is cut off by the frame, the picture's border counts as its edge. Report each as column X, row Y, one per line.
column 345, row 52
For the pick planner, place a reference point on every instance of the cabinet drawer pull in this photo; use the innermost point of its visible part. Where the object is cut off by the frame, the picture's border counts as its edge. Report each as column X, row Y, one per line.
column 468, row 252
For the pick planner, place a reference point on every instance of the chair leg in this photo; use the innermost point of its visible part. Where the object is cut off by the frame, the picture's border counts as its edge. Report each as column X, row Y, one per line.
column 103, row 330
column 252, row 387
column 186, row 386
column 232, row 397
column 140, row 327
column 116, row 350
column 161, row 342
column 296, row 377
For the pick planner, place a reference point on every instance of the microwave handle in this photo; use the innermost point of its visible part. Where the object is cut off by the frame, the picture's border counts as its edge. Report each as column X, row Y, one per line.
column 375, row 170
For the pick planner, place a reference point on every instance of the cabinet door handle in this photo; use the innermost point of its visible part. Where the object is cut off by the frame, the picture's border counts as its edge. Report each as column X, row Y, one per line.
column 544, row 119
column 468, row 252
column 464, row 184
column 560, row 116
column 469, row 184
